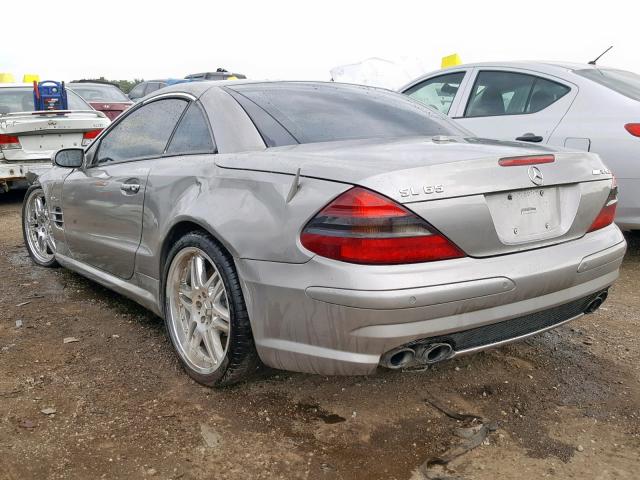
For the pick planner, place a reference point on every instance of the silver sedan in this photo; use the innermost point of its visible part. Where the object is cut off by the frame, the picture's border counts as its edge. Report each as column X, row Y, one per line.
column 572, row 105
column 326, row 228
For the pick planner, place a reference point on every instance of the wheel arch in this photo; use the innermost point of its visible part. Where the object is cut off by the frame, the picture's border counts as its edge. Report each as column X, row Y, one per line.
column 178, row 230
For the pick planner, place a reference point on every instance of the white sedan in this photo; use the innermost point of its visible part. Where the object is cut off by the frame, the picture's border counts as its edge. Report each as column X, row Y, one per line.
column 578, row 106
column 29, row 138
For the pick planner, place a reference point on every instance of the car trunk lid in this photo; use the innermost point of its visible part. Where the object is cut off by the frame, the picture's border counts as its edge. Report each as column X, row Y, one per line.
column 40, row 134
column 459, row 186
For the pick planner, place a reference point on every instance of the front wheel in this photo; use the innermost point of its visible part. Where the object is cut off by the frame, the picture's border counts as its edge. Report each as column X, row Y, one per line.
column 36, row 228
column 205, row 313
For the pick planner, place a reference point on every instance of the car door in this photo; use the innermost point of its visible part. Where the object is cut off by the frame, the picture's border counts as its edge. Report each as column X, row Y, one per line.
column 103, row 202
column 511, row 104
column 441, row 92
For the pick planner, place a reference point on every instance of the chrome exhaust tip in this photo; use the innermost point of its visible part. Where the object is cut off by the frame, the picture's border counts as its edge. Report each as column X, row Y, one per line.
column 436, row 352
column 398, row 358
column 596, row 302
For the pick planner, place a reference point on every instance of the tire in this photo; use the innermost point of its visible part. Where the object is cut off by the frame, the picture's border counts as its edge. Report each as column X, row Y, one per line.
column 191, row 329
column 36, row 228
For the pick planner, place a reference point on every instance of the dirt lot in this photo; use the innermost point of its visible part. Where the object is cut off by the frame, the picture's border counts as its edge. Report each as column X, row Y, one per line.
column 117, row 405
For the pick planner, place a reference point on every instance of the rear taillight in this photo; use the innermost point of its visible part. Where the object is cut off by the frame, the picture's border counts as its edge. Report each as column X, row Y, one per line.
column 633, row 129
column 364, row 227
column 608, row 212
column 526, row 160
column 87, row 137
column 8, row 142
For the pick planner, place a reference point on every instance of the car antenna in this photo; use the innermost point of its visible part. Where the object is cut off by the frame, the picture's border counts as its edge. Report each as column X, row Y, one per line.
column 295, row 186
column 593, row 62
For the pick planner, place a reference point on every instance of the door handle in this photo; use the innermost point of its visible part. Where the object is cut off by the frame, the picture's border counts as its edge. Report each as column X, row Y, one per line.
column 130, row 187
column 530, row 137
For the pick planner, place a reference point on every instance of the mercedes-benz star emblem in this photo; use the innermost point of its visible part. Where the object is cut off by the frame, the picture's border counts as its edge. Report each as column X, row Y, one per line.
column 535, row 175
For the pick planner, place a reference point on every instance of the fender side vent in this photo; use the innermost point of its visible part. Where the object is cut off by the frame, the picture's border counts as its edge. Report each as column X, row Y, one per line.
column 56, row 216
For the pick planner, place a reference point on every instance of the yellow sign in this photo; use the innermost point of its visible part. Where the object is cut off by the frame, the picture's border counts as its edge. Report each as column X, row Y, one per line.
column 31, row 77
column 451, row 61
column 6, row 78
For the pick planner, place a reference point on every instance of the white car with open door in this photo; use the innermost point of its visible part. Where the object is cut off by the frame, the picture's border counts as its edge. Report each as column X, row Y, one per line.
column 578, row 106
column 28, row 138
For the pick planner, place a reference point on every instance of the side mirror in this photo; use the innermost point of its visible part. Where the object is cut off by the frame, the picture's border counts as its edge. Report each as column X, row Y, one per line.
column 69, row 158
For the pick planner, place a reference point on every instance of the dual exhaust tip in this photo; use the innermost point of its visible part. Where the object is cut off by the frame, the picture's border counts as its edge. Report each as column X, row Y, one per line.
column 426, row 354
column 429, row 353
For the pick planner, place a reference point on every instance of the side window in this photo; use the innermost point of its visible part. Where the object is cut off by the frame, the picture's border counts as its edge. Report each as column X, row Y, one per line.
column 192, row 134
column 143, row 133
column 138, row 91
column 510, row 93
column 544, row 93
column 437, row 92
column 75, row 102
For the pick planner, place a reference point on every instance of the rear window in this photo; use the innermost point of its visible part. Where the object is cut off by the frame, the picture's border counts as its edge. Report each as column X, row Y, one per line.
column 20, row 99
column 99, row 93
column 621, row 81
column 329, row 112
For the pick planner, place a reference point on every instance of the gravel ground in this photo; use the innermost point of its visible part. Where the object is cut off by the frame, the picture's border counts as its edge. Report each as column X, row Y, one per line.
column 115, row 403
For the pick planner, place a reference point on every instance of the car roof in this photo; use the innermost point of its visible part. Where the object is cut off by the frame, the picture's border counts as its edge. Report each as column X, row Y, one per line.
column 198, row 88
column 548, row 67
column 99, row 84
column 531, row 64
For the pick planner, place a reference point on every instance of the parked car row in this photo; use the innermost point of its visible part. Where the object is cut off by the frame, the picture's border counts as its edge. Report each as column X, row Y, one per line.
column 331, row 228
column 28, row 138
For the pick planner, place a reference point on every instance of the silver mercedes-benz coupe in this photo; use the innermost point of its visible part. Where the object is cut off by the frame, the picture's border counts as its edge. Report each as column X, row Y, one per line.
column 326, row 228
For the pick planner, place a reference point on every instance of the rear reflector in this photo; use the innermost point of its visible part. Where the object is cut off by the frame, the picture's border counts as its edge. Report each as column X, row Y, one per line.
column 364, row 227
column 8, row 142
column 633, row 129
column 528, row 160
column 87, row 137
column 608, row 212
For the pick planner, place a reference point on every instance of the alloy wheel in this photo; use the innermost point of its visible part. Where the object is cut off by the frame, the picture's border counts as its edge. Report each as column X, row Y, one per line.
column 38, row 227
column 199, row 319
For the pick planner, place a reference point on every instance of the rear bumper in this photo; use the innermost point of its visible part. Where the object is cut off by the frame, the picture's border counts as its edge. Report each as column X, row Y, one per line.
column 16, row 171
column 14, row 175
column 330, row 317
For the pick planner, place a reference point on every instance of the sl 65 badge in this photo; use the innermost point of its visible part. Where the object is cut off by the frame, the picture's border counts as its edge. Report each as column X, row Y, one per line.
column 424, row 190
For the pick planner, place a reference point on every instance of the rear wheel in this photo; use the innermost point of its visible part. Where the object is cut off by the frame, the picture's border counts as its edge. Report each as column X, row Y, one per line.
column 205, row 313
column 36, row 228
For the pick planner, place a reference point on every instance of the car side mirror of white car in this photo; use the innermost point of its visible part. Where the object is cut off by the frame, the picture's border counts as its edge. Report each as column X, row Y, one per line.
column 69, row 158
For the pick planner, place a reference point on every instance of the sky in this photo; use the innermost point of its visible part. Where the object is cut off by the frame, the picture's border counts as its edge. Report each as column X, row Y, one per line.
column 302, row 40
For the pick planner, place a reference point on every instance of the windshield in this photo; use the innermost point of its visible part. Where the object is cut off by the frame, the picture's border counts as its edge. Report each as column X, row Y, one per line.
column 312, row 112
column 621, row 81
column 99, row 93
column 20, row 99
